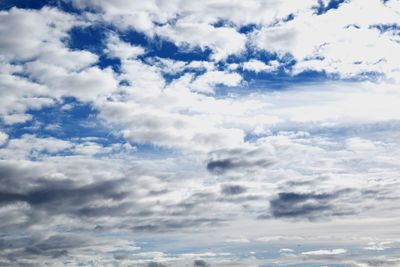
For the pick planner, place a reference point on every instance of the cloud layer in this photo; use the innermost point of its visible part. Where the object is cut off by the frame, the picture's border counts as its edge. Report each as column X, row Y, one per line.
column 129, row 129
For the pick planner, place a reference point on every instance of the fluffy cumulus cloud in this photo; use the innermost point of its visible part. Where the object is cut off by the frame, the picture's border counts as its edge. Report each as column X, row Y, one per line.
column 347, row 41
column 207, row 133
column 259, row 66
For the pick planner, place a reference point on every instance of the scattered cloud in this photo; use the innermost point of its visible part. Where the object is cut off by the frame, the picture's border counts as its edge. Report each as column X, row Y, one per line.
column 325, row 252
column 131, row 129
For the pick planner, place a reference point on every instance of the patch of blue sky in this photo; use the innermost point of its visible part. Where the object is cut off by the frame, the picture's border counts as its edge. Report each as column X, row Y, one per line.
column 66, row 6
column 264, row 81
column 390, row 251
column 367, row 130
column 269, row 82
column 34, row 4
column 258, row 250
column 248, row 28
column 387, row 27
column 93, row 38
column 176, row 246
column 285, row 19
column 158, row 47
column 333, row 4
column 386, row 251
column 170, row 77
column 372, row 76
column 255, row 250
column 280, row 78
column 67, row 119
column 78, row 122
column 162, row 243
column 254, row 53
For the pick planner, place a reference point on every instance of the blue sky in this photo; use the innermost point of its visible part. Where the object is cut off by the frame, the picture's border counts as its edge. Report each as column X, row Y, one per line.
column 199, row 133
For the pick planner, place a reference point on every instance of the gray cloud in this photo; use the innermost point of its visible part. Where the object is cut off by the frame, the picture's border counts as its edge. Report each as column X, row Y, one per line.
column 224, row 165
column 308, row 205
column 200, row 263
column 55, row 246
column 219, row 166
column 64, row 196
column 156, row 264
column 233, row 189
column 240, row 159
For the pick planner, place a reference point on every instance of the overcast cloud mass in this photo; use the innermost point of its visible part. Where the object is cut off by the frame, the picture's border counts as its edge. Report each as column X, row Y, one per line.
column 219, row 133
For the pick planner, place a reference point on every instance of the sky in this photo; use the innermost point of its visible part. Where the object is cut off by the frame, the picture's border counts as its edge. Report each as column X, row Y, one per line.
column 178, row 133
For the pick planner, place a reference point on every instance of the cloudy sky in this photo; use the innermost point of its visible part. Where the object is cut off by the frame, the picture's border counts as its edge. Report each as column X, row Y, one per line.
column 157, row 133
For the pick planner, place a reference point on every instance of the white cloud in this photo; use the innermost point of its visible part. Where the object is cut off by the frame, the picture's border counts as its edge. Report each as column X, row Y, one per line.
column 178, row 20
column 286, row 251
column 222, row 41
column 3, row 138
column 88, row 84
column 206, row 82
column 32, row 146
column 51, row 71
column 378, row 246
column 122, row 50
column 18, row 94
column 237, row 240
column 358, row 144
column 342, row 41
column 209, row 11
column 30, row 32
column 259, row 66
column 323, row 252
column 335, row 103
